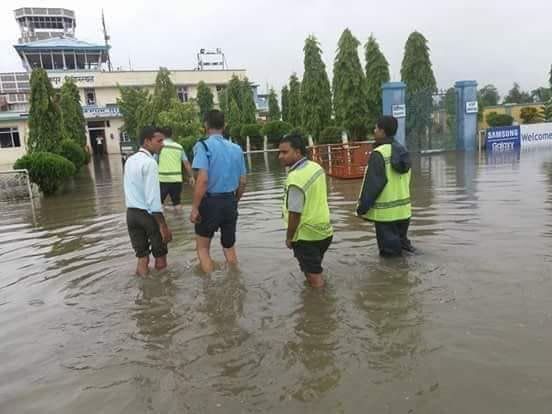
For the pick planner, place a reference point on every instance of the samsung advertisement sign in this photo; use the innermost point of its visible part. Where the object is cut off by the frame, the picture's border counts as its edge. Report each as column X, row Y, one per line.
column 502, row 139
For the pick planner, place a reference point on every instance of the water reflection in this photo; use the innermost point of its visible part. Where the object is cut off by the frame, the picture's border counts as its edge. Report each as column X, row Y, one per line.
column 393, row 314
column 312, row 355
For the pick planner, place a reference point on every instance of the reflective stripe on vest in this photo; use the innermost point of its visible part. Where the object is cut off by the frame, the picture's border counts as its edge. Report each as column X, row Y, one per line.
column 170, row 163
column 393, row 203
column 315, row 218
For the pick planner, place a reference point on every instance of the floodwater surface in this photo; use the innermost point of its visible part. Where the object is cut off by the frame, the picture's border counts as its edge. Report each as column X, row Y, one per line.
column 463, row 327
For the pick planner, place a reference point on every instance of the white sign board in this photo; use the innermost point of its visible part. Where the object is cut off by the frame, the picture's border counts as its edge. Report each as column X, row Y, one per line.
column 398, row 111
column 472, row 107
column 536, row 134
column 81, row 79
column 101, row 111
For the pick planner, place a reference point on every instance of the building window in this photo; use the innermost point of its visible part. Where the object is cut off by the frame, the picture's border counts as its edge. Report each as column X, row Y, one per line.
column 182, row 93
column 90, row 96
column 9, row 138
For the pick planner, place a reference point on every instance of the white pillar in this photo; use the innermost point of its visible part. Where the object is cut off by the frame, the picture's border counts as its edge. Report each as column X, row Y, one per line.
column 64, row 62
column 311, row 141
column 41, row 61
column 265, row 143
column 247, row 145
column 344, row 137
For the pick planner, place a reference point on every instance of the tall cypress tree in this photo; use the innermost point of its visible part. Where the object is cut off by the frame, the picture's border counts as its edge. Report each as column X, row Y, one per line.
column 204, row 99
column 349, row 87
column 285, row 103
column 246, row 104
column 273, row 107
column 163, row 94
column 316, row 96
column 45, row 132
column 417, row 73
column 377, row 73
column 548, row 105
column 72, row 118
column 294, row 112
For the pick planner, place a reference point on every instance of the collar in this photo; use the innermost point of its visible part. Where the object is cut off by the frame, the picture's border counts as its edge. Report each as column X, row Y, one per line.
column 298, row 164
column 384, row 141
column 215, row 136
column 145, row 151
column 169, row 140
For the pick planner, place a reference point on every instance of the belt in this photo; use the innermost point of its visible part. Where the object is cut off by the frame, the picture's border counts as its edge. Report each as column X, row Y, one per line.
column 231, row 194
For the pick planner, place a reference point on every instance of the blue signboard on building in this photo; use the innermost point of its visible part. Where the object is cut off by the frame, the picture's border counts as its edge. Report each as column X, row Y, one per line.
column 502, row 139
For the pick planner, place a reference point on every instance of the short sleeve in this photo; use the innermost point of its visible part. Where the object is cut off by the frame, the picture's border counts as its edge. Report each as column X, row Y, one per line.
column 201, row 161
column 296, row 199
column 184, row 157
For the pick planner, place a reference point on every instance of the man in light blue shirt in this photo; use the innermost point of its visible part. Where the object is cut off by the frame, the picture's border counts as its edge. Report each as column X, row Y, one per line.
column 220, row 184
column 147, row 228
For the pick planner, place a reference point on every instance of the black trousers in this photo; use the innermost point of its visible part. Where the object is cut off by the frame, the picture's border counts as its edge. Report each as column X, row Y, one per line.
column 392, row 237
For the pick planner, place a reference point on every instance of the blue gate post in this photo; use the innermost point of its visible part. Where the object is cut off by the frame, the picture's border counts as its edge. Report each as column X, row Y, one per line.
column 393, row 100
column 466, row 115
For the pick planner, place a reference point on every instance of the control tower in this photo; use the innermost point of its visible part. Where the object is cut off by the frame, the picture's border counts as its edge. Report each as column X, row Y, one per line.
column 38, row 23
column 48, row 41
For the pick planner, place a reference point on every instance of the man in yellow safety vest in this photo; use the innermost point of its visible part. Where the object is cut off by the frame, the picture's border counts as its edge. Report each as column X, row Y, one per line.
column 305, row 209
column 385, row 194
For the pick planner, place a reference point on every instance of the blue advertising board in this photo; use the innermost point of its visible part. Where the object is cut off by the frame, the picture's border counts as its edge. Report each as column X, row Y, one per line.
column 502, row 139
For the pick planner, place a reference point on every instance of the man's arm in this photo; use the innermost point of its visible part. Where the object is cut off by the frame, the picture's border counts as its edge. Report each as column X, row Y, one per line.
column 374, row 183
column 153, row 200
column 189, row 171
column 199, row 192
column 241, row 187
column 293, row 223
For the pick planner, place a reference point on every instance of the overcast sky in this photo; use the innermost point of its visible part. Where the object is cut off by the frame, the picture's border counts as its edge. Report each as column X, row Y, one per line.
column 490, row 41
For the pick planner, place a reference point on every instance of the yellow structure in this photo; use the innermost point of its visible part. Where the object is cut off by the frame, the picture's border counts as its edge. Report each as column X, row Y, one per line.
column 514, row 110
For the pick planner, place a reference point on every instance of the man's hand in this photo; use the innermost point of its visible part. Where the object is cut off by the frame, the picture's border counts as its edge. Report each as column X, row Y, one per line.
column 289, row 244
column 191, row 181
column 166, row 234
column 194, row 215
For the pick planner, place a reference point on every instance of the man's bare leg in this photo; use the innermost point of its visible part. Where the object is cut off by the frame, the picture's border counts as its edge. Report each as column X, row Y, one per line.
column 231, row 256
column 315, row 280
column 142, row 268
column 203, row 245
column 161, row 262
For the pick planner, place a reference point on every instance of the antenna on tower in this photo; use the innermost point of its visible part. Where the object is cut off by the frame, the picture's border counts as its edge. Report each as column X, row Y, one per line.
column 106, row 39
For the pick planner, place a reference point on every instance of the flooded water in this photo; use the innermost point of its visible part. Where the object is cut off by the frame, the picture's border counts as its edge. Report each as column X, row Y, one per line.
column 464, row 327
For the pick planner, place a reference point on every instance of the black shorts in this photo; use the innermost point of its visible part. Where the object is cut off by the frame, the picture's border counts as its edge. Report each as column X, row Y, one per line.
column 144, row 234
column 173, row 190
column 218, row 212
column 309, row 254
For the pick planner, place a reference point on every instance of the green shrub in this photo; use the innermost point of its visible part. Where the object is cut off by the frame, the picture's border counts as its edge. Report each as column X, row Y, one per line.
column 235, row 132
column 496, row 120
column 298, row 131
column 46, row 169
column 275, row 130
column 188, row 145
column 251, row 130
column 87, row 157
column 330, row 135
column 73, row 152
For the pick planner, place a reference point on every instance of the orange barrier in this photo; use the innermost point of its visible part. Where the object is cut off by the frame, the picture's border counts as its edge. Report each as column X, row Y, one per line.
column 342, row 160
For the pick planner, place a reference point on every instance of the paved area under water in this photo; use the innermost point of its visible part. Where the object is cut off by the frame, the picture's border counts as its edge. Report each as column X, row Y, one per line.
column 464, row 327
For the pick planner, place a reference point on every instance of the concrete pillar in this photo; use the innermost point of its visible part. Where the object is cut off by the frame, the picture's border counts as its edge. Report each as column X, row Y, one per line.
column 265, row 143
column 310, row 141
column 247, row 145
column 394, row 103
column 466, row 115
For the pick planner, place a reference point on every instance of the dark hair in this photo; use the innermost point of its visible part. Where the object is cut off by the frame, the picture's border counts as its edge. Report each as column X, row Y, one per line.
column 147, row 133
column 296, row 141
column 214, row 119
column 389, row 124
column 167, row 131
